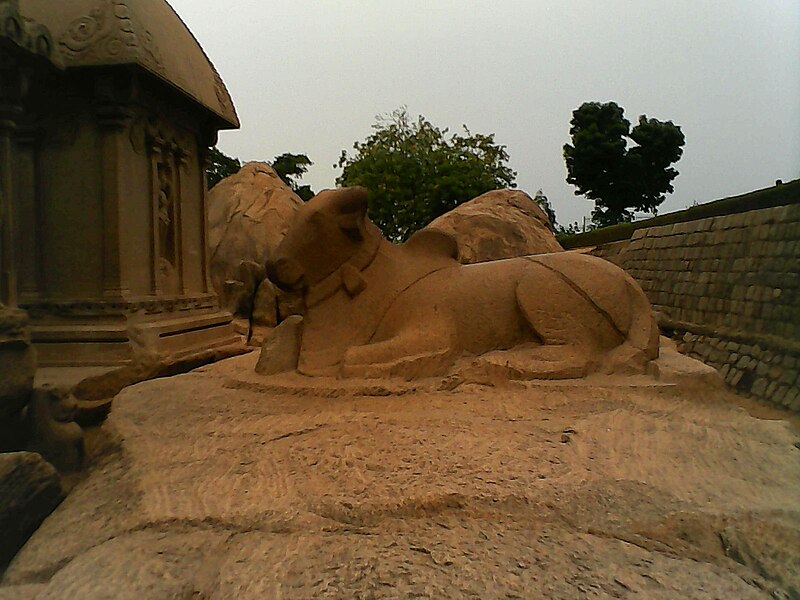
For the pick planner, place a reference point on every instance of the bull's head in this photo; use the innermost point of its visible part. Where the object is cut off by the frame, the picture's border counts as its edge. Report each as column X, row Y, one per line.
column 325, row 233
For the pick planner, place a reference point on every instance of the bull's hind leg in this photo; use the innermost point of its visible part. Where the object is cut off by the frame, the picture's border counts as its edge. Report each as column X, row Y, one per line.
column 411, row 353
column 573, row 331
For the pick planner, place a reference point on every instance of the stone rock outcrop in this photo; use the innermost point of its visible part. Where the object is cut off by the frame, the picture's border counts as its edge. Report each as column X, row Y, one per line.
column 467, row 493
column 496, row 225
column 248, row 215
column 30, row 489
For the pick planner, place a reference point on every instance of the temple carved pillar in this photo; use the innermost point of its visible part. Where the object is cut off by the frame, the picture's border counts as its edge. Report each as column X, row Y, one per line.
column 113, row 95
column 27, row 219
column 13, row 82
column 113, row 121
column 204, row 163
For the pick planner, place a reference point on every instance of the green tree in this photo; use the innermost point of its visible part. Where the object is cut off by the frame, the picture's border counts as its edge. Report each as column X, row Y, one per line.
column 291, row 168
column 545, row 205
column 621, row 179
column 220, row 166
column 416, row 171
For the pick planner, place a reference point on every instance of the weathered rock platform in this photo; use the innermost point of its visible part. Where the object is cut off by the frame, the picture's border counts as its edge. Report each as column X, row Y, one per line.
column 225, row 484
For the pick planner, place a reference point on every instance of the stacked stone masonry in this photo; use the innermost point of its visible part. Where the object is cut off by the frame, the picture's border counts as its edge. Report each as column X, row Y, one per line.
column 728, row 288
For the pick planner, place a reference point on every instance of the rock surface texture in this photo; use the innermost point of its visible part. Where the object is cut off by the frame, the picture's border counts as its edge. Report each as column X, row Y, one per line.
column 375, row 309
column 498, row 224
column 250, row 488
column 30, row 489
column 248, row 215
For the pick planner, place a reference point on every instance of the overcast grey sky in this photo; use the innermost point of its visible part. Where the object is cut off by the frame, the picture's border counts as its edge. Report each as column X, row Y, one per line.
column 309, row 76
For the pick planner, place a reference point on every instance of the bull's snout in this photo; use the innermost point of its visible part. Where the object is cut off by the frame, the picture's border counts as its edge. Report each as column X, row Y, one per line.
column 286, row 273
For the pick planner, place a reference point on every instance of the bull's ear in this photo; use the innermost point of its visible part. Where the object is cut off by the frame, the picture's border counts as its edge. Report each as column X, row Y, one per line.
column 351, row 208
column 351, row 199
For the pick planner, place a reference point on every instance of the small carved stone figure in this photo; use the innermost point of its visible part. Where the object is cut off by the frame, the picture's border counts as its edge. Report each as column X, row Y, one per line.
column 165, row 212
column 375, row 309
column 55, row 435
column 39, row 419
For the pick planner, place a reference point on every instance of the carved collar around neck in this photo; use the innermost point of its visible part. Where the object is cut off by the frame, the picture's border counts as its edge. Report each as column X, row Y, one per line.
column 328, row 286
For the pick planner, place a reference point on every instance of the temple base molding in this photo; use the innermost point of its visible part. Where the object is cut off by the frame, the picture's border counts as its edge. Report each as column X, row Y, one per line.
column 120, row 339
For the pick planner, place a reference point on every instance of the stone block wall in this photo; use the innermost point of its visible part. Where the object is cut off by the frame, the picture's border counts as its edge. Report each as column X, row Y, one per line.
column 728, row 289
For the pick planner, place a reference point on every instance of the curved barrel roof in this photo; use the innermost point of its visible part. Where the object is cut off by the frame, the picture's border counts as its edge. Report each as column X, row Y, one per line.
column 148, row 33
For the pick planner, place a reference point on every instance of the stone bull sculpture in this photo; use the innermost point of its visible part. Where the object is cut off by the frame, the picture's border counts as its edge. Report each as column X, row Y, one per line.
column 376, row 309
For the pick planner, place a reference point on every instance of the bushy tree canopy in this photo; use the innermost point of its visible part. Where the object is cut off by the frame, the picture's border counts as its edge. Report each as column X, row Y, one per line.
column 417, row 172
column 220, row 166
column 621, row 179
column 291, row 168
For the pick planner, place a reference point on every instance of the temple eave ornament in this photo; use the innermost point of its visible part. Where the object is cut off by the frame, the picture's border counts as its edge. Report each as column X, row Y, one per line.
column 110, row 34
column 26, row 35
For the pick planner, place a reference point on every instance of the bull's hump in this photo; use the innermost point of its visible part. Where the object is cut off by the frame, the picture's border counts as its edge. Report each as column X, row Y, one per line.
column 432, row 243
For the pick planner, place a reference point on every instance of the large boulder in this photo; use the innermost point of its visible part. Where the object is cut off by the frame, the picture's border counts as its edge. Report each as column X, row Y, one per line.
column 498, row 224
column 30, row 489
column 248, row 215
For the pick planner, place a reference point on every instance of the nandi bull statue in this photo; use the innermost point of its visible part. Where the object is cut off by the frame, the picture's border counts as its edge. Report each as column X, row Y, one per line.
column 376, row 309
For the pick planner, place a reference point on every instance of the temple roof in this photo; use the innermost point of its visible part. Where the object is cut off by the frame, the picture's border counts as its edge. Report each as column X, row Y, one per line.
column 147, row 33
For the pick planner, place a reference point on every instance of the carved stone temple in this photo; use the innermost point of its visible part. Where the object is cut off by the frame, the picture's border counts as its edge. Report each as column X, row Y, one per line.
column 107, row 111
